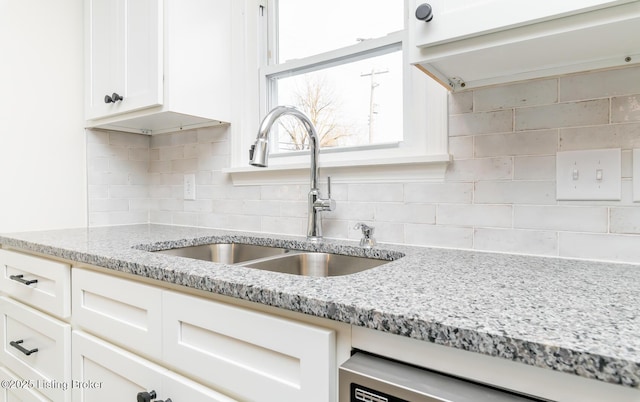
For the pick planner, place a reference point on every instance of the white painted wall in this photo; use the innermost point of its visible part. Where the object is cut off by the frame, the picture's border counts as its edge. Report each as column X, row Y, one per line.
column 42, row 140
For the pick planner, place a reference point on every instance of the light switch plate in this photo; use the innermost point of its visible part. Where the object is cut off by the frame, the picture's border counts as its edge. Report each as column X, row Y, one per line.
column 636, row 175
column 592, row 175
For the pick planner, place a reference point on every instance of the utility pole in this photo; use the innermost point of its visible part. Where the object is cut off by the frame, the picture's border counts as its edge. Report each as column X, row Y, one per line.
column 372, row 111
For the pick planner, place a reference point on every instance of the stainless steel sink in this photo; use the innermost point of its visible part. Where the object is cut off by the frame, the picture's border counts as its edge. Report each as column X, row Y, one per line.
column 316, row 264
column 225, row 253
column 277, row 259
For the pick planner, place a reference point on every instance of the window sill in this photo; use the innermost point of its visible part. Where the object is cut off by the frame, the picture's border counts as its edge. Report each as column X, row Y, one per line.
column 431, row 167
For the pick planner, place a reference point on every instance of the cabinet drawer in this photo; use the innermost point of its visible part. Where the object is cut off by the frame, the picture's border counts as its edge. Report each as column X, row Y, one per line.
column 50, row 292
column 231, row 347
column 36, row 347
column 15, row 389
column 118, row 375
column 125, row 312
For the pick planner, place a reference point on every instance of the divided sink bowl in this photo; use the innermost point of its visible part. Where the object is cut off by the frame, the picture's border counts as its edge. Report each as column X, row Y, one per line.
column 276, row 259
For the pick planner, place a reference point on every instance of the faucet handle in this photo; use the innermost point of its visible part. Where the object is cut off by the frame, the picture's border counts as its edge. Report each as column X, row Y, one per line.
column 367, row 232
column 329, row 187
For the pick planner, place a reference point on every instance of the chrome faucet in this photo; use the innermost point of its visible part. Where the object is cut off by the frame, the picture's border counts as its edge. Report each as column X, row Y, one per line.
column 259, row 155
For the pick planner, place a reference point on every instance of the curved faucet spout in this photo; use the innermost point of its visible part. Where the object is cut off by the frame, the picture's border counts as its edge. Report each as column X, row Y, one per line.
column 260, row 157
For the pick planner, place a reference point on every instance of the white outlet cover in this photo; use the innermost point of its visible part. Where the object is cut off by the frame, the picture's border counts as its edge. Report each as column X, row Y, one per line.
column 636, row 175
column 190, row 187
column 590, row 175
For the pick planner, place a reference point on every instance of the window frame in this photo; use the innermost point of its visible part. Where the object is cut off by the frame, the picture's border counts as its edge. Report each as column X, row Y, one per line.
column 423, row 153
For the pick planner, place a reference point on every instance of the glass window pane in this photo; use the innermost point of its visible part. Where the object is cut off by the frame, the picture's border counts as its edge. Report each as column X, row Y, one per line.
column 357, row 103
column 308, row 27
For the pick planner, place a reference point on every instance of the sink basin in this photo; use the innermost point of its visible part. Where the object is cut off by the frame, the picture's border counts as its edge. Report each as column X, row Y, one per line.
column 226, row 253
column 316, row 264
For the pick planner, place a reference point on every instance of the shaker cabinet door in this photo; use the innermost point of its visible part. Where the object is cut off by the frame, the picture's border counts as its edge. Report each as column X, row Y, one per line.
column 106, row 373
column 458, row 19
column 123, row 56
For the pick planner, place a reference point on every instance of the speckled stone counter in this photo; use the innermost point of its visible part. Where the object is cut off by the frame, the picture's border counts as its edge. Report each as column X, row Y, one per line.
column 572, row 316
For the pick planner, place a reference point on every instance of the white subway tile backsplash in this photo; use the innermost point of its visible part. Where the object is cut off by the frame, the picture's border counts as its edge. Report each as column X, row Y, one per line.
column 538, row 92
column 171, row 153
column 474, row 215
column 184, row 165
column 184, row 218
column 516, row 241
column 283, row 192
column 625, row 136
column 284, row 225
column 201, row 206
column 108, row 205
column 610, row 247
column 625, row 109
column 405, row 213
column 585, row 113
column 567, row 218
column 481, row 123
column 461, row 147
column 461, row 102
column 480, row 169
column 534, row 168
column 212, row 134
column 515, row 192
column 498, row 194
column 544, row 142
column 126, row 191
column 451, row 192
column 387, row 192
column 625, row 220
column 361, row 211
column 243, row 222
column 129, row 140
column 438, row 236
column 600, row 84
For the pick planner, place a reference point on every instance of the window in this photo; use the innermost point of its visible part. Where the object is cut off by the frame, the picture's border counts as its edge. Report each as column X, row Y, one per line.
column 344, row 63
column 354, row 101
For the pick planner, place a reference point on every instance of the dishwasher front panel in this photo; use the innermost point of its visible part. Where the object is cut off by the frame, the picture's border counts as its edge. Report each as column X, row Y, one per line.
column 367, row 378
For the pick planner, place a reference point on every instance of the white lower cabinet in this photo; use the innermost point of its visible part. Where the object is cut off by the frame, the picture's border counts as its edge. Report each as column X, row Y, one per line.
column 15, row 389
column 36, row 347
column 125, row 312
column 239, row 352
column 248, row 354
column 103, row 372
column 36, row 281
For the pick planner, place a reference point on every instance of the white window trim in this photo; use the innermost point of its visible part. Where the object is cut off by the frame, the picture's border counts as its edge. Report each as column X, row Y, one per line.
column 424, row 159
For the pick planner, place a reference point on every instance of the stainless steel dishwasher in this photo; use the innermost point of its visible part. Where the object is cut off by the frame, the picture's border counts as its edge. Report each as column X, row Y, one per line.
column 367, row 378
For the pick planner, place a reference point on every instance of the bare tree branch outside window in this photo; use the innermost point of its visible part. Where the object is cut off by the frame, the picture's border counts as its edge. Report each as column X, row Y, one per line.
column 318, row 100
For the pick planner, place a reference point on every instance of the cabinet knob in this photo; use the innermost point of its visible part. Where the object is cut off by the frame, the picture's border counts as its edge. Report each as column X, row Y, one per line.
column 113, row 98
column 424, row 12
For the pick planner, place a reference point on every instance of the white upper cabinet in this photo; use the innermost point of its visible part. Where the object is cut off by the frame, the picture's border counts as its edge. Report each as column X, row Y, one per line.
column 472, row 43
column 157, row 66
column 125, row 58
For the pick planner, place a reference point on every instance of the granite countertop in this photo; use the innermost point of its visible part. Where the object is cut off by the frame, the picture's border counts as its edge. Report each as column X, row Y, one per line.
column 573, row 316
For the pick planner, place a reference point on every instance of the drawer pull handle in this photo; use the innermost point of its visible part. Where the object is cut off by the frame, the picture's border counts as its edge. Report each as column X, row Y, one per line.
column 19, row 278
column 16, row 344
column 148, row 396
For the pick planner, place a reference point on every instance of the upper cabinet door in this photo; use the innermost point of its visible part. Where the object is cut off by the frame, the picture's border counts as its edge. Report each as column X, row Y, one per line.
column 474, row 43
column 124, row 56
column 458, row 19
